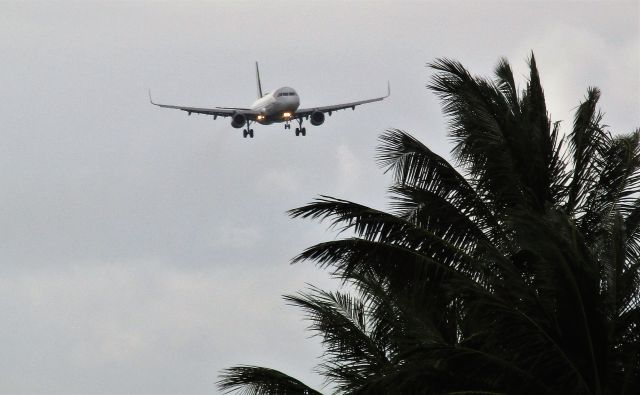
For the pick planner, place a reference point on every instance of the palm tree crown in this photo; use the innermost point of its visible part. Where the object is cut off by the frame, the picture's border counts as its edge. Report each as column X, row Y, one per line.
column 514, row 272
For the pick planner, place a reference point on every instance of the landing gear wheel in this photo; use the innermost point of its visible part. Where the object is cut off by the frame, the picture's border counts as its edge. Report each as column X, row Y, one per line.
column 300, row 131
column 251, row 133
column 245, row 133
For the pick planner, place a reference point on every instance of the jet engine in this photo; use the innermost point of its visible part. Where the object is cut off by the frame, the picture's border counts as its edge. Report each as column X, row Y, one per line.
column 238, row 120
column 317, row 118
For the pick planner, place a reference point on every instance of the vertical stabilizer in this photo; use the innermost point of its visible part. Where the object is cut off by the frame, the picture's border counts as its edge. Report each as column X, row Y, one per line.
column 258, row 81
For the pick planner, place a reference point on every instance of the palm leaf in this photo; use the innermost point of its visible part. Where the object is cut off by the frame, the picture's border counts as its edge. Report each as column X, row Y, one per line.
column 415, row 166
column 255, row 380
column 586, row 142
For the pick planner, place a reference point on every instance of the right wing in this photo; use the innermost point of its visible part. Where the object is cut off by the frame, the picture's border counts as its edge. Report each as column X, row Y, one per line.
column 216, row 111
column 305, row 112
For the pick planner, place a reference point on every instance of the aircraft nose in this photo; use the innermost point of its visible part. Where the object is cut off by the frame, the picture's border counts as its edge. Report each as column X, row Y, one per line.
column 292, row 100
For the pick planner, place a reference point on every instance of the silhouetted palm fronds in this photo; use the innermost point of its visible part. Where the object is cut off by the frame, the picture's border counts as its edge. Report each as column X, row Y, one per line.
column 517, row 271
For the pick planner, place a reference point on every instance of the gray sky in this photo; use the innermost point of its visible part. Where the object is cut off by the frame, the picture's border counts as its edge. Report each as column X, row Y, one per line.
column 142, row 250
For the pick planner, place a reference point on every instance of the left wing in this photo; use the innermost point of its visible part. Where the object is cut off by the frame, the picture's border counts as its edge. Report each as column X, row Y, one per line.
column 305, row 112
column 216, row 111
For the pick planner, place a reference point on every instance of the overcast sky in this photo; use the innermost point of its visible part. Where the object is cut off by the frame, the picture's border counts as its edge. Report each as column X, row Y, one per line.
column 142, row 250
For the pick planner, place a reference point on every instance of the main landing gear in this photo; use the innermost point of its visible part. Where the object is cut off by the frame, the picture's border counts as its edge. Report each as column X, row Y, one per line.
column 300, row 131
column 248, row 131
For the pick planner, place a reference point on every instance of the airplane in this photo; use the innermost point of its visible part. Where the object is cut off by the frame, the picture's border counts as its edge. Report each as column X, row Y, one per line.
column 278, row 106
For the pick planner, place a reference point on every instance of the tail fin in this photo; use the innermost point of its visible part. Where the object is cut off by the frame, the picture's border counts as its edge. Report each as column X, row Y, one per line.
column 258, row 81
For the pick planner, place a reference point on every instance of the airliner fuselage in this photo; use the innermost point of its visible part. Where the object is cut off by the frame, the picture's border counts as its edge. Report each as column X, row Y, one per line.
column 276, row 106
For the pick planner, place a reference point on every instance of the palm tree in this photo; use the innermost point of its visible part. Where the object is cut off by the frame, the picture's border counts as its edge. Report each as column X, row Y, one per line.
column 517, row 271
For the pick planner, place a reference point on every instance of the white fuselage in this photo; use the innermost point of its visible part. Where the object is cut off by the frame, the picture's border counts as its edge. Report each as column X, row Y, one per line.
column 277, row 106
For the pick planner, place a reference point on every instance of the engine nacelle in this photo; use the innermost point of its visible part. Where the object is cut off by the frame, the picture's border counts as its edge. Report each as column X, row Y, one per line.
column 316, row 118
column 238, row 120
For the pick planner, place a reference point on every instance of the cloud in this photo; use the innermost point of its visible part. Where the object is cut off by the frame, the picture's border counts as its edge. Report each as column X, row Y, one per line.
column 572, row 57
column 278, row 182
column 349, row 169
column 233, row 235
column 108, row 319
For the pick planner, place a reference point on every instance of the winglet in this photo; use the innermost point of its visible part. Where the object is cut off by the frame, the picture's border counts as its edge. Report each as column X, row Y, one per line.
column 150, row 99
column 388, row 89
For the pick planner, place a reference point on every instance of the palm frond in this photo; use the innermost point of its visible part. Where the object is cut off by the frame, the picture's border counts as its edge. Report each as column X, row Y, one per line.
column 442, row 243
column 255, row 380
column 586, row 142
column 340, row 319
column 476, row 126
column 510, row 151
column 352, row 354
column 507, row 85
column 617, row 184
column 415, row 166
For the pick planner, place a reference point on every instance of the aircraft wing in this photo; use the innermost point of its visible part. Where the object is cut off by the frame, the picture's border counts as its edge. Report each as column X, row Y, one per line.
column 305, row 112
column 216, row 111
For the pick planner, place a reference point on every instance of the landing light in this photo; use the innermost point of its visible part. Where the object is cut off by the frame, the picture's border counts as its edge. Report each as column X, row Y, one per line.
column 260, row 117
column 286, row 114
